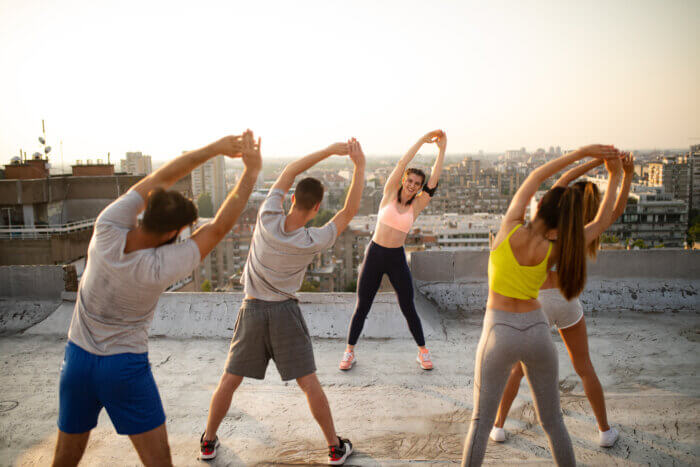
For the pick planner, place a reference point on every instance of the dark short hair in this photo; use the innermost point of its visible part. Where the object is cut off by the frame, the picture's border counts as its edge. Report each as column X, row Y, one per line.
column 308, row 193
column 167, row 211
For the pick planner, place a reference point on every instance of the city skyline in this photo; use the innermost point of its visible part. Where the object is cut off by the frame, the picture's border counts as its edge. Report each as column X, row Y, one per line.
column 122, row 77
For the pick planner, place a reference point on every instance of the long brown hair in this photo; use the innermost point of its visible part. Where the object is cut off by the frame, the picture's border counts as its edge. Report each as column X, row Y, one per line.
column 591, row 203
column 561, row 208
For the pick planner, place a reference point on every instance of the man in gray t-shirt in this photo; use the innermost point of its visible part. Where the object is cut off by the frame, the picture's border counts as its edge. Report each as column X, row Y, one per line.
column 129, row 264
column 270, row 324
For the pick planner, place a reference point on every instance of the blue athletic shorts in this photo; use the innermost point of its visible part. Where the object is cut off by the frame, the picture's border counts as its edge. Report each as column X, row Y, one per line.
column 122, row 383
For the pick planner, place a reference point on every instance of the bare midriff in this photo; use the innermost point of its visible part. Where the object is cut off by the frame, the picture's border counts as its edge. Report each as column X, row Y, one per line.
column 388, row 237
column 497, row 301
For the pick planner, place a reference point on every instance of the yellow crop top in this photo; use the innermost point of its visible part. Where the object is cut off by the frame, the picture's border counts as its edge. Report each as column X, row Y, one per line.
column 509, row 278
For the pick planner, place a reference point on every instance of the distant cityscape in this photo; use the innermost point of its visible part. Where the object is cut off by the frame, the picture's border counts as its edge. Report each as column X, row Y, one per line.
column 47, row 218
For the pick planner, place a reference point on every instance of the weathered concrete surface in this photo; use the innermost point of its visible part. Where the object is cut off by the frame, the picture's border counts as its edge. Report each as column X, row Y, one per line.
column 31, row 281
column 392, row 411
column 185, row 315
column 28, row 294
column 643, row 280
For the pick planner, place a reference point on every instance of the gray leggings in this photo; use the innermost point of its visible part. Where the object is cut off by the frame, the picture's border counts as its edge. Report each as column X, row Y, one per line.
column 508, row 338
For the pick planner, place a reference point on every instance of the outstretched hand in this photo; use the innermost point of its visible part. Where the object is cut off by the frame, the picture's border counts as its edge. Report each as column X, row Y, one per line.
column 614, row 165
column 250, row 151
column 230, row 146
column 442, row 141
column 627, row 163
column 432, row 137
column 601, row 151
column 355, row 152
column 338, row 149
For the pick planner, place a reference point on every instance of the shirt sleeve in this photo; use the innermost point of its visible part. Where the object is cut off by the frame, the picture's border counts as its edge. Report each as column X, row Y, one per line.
column 324, row 237
column 123, row 211
column 174, row 262
column 273, row 202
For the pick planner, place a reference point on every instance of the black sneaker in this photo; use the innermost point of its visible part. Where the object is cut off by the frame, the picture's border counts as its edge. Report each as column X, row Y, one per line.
column 208, row 448
column 338, row 454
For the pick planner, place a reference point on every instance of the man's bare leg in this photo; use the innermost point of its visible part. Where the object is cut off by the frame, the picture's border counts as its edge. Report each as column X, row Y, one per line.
column 318, row 403
column 220, row 403
column 69, row 448
column 153, row 448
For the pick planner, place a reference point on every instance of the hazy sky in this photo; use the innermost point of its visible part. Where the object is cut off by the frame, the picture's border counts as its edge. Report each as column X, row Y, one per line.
column 164, row 76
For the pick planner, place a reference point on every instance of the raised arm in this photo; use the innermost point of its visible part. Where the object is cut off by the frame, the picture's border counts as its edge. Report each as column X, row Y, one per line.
column 394, row 180
column 574, row 173
column 424, row 198
column 174, row 170
column 211, row 233
column 604, row 218
column 621, row 202
column 352, row 200
column 286, row 179
column 516, row 210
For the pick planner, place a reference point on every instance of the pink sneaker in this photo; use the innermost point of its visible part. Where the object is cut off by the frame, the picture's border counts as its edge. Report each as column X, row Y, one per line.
column 423, row 359
column 348, row 361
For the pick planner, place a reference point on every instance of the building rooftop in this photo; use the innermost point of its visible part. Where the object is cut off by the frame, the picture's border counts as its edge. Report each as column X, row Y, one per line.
column 643, row 325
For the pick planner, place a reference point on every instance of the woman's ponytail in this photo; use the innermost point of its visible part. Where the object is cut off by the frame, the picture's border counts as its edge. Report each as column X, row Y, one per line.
column 571, row 254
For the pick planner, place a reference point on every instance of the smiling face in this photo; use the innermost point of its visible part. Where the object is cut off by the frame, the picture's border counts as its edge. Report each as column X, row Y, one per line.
column 412, row 184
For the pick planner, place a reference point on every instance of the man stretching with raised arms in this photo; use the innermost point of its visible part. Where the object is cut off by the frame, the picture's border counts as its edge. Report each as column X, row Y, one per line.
column 270, row 324
column 129, row 265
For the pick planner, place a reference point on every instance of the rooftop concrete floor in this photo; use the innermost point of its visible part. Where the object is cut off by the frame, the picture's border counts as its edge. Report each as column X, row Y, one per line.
column 394, row 413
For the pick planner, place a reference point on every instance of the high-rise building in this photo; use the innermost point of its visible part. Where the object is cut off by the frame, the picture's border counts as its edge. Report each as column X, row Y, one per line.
column 694, row 166
column 136, row 163
column 210, row 178
column 673, row 175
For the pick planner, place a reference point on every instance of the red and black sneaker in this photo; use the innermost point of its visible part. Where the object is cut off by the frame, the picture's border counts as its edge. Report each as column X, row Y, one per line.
column 338, row 454
column 208, row 448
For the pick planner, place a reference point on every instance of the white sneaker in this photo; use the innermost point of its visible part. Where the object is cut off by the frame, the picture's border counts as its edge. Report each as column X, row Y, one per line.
column 498, row 434
column 607, row 438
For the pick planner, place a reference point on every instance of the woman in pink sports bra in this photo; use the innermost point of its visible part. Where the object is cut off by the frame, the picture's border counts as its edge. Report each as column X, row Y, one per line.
column 405, row 195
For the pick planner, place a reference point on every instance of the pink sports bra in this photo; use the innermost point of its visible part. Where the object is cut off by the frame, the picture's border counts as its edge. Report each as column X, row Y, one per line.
column 390, row 215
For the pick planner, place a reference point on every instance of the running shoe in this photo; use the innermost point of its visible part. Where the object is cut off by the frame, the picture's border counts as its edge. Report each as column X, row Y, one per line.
column 348, row 361
column 208, row 448
column 498, row 434
column 608, row 438
column 423, row 360
column 338, row 454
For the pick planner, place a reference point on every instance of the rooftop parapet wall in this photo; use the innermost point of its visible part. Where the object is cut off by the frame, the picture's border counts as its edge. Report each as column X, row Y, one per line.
column 640, row 280
column 188, row 315
column 28, row 294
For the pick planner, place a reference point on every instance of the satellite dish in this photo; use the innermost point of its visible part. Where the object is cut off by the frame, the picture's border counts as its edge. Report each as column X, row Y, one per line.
column 36, row 155
column 42, row 140
column 16, row 160
column 47, row 149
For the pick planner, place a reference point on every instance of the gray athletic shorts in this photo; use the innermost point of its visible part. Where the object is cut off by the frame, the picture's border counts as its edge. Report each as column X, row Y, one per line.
column 560, row 312
column 270, row 330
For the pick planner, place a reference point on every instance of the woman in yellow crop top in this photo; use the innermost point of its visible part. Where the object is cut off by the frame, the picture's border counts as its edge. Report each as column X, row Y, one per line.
column 515, row 328
column 406, row 194
column 567, row 315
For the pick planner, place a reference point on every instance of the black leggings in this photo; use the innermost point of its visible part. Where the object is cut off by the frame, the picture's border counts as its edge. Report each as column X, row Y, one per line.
column 378, row 261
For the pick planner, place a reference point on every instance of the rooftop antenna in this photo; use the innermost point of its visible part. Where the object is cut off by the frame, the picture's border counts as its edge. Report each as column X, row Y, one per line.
column 63, row 169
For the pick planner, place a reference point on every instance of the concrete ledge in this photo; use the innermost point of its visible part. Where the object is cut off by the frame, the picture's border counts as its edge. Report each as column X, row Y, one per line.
column 663, row 263
column 187, row 315
column 655, row 296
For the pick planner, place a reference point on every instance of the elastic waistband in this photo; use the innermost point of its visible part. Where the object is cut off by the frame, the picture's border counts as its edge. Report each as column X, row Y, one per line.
column 257, row 303
column 518, row 320
column 377, row 245
column 73, row 347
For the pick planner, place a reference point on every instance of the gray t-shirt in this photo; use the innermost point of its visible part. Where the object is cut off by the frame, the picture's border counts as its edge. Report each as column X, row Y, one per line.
column 277, row 260
column 119, row 291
